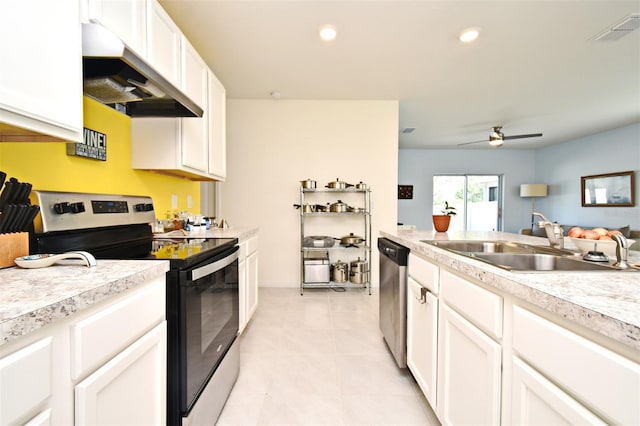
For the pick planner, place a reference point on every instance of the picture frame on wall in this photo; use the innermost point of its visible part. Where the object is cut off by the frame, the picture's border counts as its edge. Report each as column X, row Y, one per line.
column 608, row 190
column 405, row 192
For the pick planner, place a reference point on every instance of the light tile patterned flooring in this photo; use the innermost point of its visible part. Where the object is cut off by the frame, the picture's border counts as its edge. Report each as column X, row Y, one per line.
column 319, row 359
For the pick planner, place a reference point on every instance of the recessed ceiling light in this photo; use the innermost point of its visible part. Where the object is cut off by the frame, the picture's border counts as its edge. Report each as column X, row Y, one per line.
column 328, row 32
column 469, row 35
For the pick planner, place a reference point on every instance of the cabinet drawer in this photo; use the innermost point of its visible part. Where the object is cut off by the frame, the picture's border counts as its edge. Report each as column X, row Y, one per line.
column 25, row 381
column 99, row 337
column 473, row 302
column 425, row 272
column 606, row 382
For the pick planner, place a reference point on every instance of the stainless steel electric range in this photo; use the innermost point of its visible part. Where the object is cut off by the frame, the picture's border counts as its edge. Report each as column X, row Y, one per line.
column 202, row 289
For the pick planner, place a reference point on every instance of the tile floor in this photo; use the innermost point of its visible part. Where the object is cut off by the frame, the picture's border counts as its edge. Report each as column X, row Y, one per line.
column 319, row 359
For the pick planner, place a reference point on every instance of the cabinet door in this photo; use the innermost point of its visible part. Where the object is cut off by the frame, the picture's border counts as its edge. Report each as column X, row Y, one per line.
column 163, row 42
column 422, row 335
column 195, row 135
column 469, row 372
column 252, row 284
column 217, row 128
column 42, row 419
column 242, row 294
column 25, row 381
column 130, row 388
column 39, row 35
column 537, row 401
column 125, row 18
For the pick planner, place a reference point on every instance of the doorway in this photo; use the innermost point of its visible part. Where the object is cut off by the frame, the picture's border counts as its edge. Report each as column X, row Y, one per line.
column 477, row 199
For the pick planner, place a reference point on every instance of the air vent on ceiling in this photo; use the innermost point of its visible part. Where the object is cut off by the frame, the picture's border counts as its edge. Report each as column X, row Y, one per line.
column 620, row 29
column 407, row 130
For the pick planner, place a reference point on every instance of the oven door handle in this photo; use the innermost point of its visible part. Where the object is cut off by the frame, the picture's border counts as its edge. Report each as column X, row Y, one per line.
column 210, row 268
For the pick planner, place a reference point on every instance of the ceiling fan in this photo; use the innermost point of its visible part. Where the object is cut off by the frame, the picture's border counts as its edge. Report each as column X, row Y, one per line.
column 497, row 138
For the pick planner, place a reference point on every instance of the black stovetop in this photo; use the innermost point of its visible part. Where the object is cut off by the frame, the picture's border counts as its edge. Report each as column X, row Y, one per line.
column 184, row 252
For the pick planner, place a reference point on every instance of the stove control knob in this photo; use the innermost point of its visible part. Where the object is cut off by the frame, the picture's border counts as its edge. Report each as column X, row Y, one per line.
column 77, row 207
column 62, row 208
column 142, row 207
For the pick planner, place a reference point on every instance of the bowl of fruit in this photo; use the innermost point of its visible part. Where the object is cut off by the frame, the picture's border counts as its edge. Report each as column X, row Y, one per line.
column 596, row 239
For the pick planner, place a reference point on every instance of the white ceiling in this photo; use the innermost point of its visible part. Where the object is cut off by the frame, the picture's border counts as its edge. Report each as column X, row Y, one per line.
column 534, row 68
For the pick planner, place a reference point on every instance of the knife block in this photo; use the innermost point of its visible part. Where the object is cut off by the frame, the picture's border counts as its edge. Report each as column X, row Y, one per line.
column 11, row 246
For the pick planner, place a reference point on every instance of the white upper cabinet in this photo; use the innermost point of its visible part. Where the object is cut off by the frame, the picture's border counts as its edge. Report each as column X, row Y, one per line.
column 217, row 129
column 195, row 137
column 191, row 147
column 164, row 39
column 125, row 18
column 40, row 35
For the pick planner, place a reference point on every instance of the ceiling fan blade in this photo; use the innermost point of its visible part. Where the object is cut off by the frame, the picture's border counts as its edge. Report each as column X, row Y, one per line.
column 531, row 135
column 469, row 143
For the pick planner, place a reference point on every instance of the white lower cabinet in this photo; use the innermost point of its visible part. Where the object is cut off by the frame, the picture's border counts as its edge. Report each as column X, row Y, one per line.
column 103, row 365
column 130, row 388
column 499, row 362
column 248, row 280
column 25, row 381
column 607, row 383
column 42, row 419
column 537, row 401
column 422, row 335
column 469, row 372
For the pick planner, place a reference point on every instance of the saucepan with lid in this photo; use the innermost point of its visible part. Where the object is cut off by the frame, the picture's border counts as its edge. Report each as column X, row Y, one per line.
column 351, row 240
column 358, row 271
column 340, row 272
column 308, row 184
column 338, row 184
column 339, row 207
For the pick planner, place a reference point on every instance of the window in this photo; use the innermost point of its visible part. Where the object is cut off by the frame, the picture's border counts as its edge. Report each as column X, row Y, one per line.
column 477, row 199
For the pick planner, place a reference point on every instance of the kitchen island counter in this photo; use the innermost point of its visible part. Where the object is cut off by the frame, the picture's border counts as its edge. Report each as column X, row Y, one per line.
column 33, row 298
column 605, row 302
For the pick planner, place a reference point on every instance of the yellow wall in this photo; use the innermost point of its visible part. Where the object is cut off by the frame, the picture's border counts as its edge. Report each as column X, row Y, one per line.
column 48, row 167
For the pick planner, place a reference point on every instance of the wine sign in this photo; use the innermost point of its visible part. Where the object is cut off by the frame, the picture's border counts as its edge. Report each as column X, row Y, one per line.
column 93, row 146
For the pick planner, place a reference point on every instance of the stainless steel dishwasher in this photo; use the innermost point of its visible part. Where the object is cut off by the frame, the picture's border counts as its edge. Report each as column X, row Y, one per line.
column 393, row 297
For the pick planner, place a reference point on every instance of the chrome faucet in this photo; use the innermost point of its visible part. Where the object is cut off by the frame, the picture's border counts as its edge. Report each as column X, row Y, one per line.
column 555, row 233
column 622, row 251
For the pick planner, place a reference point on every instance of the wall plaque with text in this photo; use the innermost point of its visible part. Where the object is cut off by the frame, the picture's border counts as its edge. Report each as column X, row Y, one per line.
column 93, row 146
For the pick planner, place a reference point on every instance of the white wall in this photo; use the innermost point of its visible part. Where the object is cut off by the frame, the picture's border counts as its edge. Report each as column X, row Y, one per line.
column 273, row 145
column 562, row 166
column 417, row 167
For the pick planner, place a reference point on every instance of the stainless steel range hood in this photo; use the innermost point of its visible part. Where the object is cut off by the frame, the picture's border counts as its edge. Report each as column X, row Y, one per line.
column 115, row 75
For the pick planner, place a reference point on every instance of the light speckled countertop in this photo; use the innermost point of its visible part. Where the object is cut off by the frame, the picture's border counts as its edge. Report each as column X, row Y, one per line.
column 33, row 298
column 605, row 302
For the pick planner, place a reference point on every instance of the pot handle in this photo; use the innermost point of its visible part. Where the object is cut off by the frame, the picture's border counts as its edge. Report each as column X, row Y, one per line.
column 297, row 206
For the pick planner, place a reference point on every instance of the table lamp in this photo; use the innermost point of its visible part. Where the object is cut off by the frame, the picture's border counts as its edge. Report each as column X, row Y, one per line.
column 533, row 190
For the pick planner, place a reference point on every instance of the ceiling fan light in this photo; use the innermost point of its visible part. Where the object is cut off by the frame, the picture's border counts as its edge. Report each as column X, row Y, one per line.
column 496, row 142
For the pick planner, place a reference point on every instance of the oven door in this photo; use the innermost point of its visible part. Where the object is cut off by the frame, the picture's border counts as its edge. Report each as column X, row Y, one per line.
column 209, row 312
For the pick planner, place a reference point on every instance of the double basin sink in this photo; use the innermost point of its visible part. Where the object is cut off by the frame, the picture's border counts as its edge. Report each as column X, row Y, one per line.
column 519, row 257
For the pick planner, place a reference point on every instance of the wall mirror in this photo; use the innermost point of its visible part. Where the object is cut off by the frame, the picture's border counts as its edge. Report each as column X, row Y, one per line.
column 608, row 190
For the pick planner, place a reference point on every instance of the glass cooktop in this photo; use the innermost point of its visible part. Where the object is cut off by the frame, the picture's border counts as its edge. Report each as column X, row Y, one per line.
column 189, row 249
